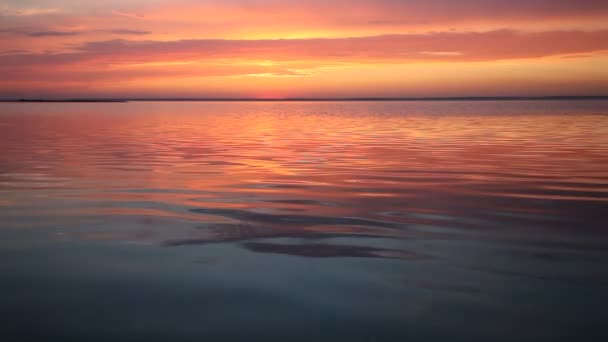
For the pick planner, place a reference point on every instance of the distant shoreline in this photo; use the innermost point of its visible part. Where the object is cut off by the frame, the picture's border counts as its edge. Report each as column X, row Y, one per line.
column 63, row 101
column 356, row 99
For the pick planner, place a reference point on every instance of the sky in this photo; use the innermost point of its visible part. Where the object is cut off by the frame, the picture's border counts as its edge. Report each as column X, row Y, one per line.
column 297, row 48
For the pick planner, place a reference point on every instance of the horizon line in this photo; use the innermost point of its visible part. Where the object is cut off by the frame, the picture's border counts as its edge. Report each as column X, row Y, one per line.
column 313, row 99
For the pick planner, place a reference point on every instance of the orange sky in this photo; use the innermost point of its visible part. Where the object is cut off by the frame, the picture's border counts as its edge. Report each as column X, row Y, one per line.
column 293, row 48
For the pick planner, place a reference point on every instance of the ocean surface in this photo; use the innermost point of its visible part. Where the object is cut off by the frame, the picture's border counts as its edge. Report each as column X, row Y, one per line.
column 304, row 221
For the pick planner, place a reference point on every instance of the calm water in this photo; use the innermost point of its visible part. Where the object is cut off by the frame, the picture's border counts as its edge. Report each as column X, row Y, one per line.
column 400, row 221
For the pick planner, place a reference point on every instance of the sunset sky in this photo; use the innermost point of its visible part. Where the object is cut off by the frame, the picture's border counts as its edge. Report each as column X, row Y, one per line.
column 297, row 48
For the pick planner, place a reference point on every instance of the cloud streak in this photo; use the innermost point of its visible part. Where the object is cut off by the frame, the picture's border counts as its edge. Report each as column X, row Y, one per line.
column 58, row 33
column 52, row 33
column 128, row 32
column 445, row 46
column 40, row 33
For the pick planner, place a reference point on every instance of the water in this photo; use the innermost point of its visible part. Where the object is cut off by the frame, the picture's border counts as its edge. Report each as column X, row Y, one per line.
column 373, row 221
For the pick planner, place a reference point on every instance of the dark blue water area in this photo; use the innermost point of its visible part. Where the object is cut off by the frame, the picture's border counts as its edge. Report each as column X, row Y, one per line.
column 226, row 292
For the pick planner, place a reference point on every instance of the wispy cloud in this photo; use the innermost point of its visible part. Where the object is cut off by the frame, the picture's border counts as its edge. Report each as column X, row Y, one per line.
column 24, row 12
column 51, row 33
column 41, row 33
column 127, row 14
column 13, row 52
column 128, row 32
column 38, row 33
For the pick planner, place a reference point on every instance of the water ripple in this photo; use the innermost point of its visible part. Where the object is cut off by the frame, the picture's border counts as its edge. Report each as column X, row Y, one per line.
column 524, row 175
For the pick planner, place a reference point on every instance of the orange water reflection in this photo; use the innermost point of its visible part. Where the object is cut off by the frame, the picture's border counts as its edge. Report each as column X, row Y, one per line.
column 190, row 173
